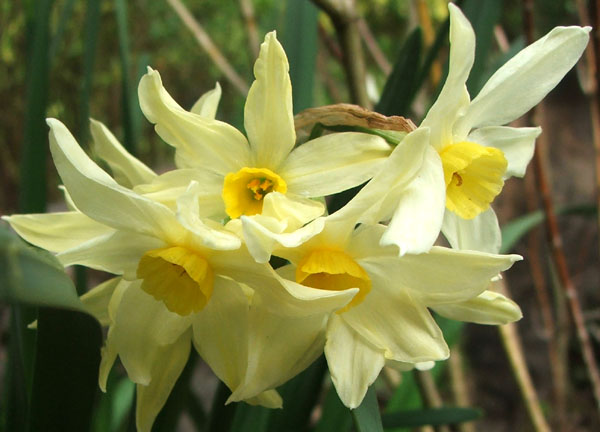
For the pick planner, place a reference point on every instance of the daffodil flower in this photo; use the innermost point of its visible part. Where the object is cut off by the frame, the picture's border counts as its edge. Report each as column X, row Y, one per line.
column 183, row 279
column 388, row 319
column 474, row 153
column 238, row 173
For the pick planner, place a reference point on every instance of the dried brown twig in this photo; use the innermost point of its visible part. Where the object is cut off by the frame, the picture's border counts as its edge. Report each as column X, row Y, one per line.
column 208, row 45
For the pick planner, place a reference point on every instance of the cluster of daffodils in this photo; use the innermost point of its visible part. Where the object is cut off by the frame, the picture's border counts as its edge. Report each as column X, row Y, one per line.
column 191, row 248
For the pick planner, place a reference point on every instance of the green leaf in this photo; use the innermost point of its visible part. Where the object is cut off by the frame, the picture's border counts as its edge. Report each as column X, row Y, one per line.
column 483, row 15
column 33, row 276
column 250, row 418
column 65, row 379
column 300, row 42
column 126, row 97
column 115, row 404
column 221, row 415
column 401, row 86
column 300, row 396
column 516, row 229
column 433, row 417
column 366, row 416
column 335, row 417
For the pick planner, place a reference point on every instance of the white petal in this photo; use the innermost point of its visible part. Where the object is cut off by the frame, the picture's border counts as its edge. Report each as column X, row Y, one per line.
column 127, row 170
column 264, row 234
column 98, row 196
column 517, row 144
column 168, row 363
column 378, row 199
column 480, row 234
column 143, row 328
column 97, row 299
column 333, row 163
column 417, row 220
column 487, row 308
column 442, row 275
column 200, row 142
column 525, row 79
column 454, row 97
column 395, row 323
column 167, row 187
column 57, row 232
column 221, row 332
column 201, row 234
column 268, row 115
column 208, row 103
column 117, row 253
column 279, row 348
column 354, row 364
column 294, row 210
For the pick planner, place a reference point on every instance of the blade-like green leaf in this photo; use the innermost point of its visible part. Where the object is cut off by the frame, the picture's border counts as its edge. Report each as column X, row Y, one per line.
column 33, row 276
column 221, row 415
column 300, row 43
column 114, row 405
column 300, row 396
column 483, row 15
column 401, row 86
column 65, row 379
column 126, row 97
column 433, row 417
column 250, row 418
column 516, row 229
column 366, row 416
column 335, row 417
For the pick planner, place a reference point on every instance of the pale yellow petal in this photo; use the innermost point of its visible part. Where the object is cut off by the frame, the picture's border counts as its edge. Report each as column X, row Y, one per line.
column 98, row 196
column 487, row 308
column 353, row 362
column 200, row 141
column 268, row 399
column 168, row 363
column 57, row 232
column 208, row 103
column 97, row 299
column 268, row 115
column 480, row 234
column 127, row 170
column 333, row 163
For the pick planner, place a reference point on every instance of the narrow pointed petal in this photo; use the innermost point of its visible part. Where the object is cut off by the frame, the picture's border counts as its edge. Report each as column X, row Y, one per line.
column 279, row 348
column 91, row 188
column 143, row 328
column 517, row 144
column 168, row 186
column 334, row 163
column 268, row 399
column 442, row 275
column 127, row 170
column 200, row 142
column 454, row 97
column 354, row 364
column 487, row 308
column 480, row 234
column 394, row 322
column 268, row 115
column 525, row 79
column 57, row 232
column 118, row 252
column 418, row 217
column 208, row 103
column 168, row 363
column 108, row 355
column 220, row 332
column 97, row 299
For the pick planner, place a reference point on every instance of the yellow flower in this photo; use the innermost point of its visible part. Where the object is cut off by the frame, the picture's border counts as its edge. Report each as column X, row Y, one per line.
column 183, row 279
column 240, row 173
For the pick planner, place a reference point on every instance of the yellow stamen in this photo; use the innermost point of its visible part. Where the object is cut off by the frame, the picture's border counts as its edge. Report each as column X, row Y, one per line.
column 333, row 270
column 473, row 175
column 244, row 191
column 180, row 278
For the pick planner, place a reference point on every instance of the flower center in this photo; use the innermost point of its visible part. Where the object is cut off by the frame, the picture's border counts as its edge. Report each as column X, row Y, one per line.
column 243, row 191
column 473, row 175
column 333, row 270
column 180, row 278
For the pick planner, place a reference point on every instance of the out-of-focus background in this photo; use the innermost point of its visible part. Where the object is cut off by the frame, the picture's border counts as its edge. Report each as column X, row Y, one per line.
column 74, row 59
